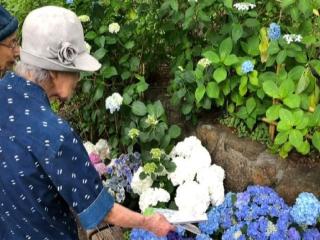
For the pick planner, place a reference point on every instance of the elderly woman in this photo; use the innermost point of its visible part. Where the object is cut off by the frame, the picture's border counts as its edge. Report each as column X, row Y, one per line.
column 44, row 168
column 9, row 48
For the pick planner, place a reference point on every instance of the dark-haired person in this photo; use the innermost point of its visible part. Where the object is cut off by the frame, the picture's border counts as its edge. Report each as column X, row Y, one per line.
column 9, row 47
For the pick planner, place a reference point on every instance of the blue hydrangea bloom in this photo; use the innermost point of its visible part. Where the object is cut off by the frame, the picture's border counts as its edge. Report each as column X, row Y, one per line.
column 140, row 234
column 311, row 234
column 274, row 31
column 306, row 209
column 293, row 234
column 203, row 237
column 212, row 224
column 120, row 173
column 247, row 66
column 234, row 233
column 69, row 1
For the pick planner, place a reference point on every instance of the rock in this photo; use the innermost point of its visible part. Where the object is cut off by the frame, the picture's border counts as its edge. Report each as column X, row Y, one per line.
column 247, row 163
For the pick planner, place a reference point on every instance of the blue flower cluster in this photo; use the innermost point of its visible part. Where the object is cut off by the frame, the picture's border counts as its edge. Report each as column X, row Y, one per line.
column 247, row 67
column 140, row 234
column 119, row 175
column 306, row 210
column 69, row 1
column 260, row 213
column 274, row 31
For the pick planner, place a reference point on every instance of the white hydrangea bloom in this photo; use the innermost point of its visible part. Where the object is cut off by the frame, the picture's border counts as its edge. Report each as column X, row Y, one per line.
column 204, row 62
column 84, row 18
column 244, row 6
column 90, row 148
column 192, row 198
column 182, row 173
column 189, row 156
column 289, row 38
column 212, row 177
column 103, row 148
column 114, row 102
column 140, row 185
column 114, row 28
column 152, row 196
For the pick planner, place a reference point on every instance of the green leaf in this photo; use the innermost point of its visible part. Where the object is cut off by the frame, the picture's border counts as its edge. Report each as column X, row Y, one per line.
column 282, row 55
column 292, row 101
column 303, row 123
column 220, row 74
column 251, row 22
column 286, row 116
column 273, row 48
column 253, row 78
column 281, row 138
column 142, row 86
column 186, row 108
column 316, row 116
column 286, row 88
column 230, row 60
column 225, row 48
column 285, row 149
column 213, row 90
column 286, row 3
column 200, row 91
column 86, row 86
column 129, row 45
column 134, row 64
column 237, row 32
column 304, row 148
column 174, row 131
column 139, row 108
column 98, row 93
column 109, row 72
column 243, row 85
column 301, row 57
column 271, row 89
column 296, row 73
column 304, row 81
column 316, row 140
column 100, row 53
column 228, row 3
column 90, row 35
column 174, row 5
column 158, row 109
column 297, row 117
column 295, row 138
column 127, row 99
column 250, row 105
column 316, row 65
column 212, row 56
column 272, row 113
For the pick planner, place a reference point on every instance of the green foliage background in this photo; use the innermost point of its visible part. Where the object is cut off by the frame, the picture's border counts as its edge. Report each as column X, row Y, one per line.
column 283, row 89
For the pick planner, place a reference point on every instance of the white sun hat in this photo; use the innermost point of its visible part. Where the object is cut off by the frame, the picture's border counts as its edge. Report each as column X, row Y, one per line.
column 52, row 39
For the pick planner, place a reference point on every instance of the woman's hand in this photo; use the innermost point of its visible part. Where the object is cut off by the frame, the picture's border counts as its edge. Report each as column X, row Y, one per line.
column 158, row 224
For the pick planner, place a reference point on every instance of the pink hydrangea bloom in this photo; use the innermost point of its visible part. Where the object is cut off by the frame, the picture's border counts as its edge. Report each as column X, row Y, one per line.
column 94, row 158
column 101, row 168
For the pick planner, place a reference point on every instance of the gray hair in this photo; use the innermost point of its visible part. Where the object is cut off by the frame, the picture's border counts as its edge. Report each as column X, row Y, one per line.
column 39, row 75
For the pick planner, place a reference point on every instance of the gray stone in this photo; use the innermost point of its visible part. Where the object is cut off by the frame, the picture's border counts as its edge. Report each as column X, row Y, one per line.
column 248, row 162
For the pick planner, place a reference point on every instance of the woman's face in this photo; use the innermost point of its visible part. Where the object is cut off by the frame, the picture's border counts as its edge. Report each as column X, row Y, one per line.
column 9, row 52
column 64, row 84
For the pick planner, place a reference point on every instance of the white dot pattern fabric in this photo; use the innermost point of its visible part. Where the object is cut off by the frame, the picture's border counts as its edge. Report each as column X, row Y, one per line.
column 43, row 169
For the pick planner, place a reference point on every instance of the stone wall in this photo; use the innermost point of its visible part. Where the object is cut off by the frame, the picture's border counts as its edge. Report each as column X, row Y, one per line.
column 247, row 162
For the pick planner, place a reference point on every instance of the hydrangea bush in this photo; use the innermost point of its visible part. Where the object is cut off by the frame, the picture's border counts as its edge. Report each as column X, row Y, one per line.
column 186, row 174
column 257, row 213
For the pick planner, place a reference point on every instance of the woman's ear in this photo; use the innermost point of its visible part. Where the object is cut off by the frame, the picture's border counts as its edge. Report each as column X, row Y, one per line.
column 53, row 75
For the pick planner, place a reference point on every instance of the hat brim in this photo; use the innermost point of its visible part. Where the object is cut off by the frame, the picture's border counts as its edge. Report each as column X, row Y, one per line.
column 83, row 62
